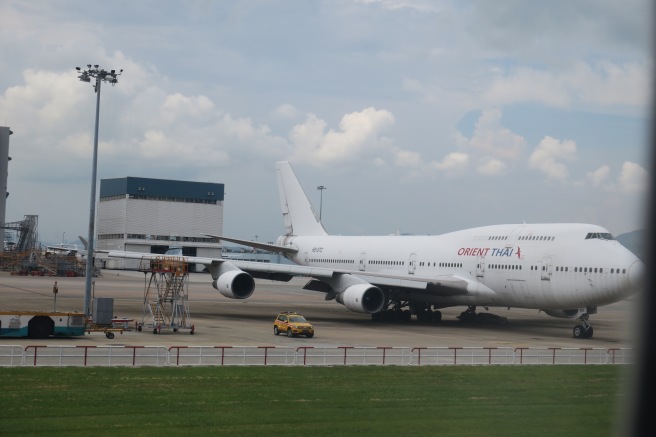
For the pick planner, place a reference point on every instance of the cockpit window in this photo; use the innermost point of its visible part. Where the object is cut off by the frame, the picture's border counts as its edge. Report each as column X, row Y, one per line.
column 599, row 235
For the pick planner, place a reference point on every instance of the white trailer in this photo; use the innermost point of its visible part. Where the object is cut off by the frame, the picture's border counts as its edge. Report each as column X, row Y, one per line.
column 41, row 324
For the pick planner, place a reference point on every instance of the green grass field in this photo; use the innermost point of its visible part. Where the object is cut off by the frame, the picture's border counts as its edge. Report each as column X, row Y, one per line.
column 313, row 401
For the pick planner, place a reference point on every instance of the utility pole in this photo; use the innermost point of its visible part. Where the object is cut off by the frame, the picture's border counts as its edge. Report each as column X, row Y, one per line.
column 321, row 188
column 100, row 75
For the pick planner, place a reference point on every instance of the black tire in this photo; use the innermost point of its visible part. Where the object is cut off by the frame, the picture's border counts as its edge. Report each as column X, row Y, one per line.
column 578, row 331
column 139, row 328
column 290, row 334
column 275, row 330
column 155, row 331
column 437, row 316
column 310, row 335
column 109, row 335
column 589, row 332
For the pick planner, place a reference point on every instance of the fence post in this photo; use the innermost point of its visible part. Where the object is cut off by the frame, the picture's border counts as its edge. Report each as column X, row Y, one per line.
column 86, row 348
column 134, row 353
column 345, row 348
column 305, row 348
column 418, row 354
column 266, row 350
column 223, row 348
column 177, row 355
column 36, row 348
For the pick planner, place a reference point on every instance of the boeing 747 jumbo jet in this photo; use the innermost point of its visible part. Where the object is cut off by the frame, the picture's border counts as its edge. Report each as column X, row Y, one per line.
column 566, row 270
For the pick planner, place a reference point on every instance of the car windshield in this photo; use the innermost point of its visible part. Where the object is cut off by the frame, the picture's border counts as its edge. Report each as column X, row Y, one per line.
column 297, row 319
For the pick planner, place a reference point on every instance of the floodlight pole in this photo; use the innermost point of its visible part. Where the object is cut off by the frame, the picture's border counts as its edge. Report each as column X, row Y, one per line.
column 320, row 188
column 100, row 76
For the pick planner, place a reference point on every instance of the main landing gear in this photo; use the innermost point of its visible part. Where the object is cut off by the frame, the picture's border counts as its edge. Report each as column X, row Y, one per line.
column 471, row 316
column 584, row 330
column 397, row 313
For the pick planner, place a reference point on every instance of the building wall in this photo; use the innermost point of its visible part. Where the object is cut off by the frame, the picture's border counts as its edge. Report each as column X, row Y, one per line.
column 139, row 223
column 4, row 165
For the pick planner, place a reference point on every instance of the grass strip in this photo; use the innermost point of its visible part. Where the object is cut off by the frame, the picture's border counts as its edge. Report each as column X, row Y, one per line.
column 318, row 401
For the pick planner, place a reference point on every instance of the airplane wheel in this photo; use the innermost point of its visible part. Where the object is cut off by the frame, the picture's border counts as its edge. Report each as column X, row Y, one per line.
column 275, row 330
column 579, row 331
column 588, row 333
column 437, row 316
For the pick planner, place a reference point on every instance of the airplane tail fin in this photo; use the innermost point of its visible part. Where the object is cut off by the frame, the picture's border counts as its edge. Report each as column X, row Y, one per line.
column 297, row 211
column 84, row 242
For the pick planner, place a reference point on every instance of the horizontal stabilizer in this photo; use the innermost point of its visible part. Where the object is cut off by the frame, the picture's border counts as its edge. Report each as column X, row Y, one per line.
column 264, row 246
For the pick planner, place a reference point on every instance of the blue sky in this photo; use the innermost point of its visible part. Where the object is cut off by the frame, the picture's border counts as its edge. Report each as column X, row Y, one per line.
column 418, row 116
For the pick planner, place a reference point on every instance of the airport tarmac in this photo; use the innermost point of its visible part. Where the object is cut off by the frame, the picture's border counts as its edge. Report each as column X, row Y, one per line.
column 219, row 321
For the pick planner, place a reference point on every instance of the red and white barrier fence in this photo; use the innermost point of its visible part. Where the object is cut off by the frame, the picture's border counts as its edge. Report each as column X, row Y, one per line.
column 138, row 356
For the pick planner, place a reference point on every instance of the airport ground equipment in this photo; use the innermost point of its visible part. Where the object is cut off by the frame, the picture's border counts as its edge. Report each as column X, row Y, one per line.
column 119, row 325
column 41, row 324
column 166, row 295
column 103, row 320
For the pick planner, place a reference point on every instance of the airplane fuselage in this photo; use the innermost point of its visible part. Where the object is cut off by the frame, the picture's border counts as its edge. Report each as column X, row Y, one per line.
column 544, row 266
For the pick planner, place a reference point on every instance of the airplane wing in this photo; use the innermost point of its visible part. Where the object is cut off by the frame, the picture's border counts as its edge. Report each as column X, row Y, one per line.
column 69, row 250
column 445, row 285
column 255, row 244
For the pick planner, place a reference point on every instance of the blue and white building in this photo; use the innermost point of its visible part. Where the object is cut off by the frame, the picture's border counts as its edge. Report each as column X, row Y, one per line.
column 152, row 215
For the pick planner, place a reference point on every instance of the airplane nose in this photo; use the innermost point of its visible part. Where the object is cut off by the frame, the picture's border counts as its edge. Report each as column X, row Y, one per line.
column 637, row 275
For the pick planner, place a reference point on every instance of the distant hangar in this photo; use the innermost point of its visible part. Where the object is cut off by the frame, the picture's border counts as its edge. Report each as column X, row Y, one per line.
column 152, row 215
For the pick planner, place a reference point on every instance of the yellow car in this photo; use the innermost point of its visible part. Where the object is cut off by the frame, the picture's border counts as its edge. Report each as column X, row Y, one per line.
column 292, row 324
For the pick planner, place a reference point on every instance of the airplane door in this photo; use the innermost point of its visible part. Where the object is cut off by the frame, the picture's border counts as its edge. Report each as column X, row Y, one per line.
column 512, row 238
column 412, row 264
column 480, row 266
column 547, row 268
column 363, row 261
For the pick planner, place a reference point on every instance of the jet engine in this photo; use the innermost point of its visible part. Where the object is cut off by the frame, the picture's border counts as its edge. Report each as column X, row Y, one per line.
column 362, row 298
column 235, row 284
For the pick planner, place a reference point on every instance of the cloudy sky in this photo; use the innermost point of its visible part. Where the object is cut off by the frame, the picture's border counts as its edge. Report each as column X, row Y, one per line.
column 418, row 116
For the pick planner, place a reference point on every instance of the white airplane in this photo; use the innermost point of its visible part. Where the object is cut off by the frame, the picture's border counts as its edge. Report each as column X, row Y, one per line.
column 566, row 270
column 70, row 250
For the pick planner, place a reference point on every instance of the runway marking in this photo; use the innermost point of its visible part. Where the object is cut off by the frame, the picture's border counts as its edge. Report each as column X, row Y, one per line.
column 25, row 289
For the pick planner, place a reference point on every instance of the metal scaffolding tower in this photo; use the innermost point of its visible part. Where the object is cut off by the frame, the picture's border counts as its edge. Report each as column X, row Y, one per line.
column 166, row 294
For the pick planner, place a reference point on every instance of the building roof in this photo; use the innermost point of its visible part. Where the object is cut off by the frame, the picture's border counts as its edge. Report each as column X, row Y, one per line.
column 161, row 188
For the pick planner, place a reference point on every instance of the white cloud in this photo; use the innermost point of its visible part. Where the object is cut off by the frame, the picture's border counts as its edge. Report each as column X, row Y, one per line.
column 358, row 132
column 285, row 110
column 45, row 101
column 452, row 162
column 527, row 85
column 491, row 167
column 177, row 106
column 548, row 155
column 605, row 84
column 406, row 158
column 419, row 5
column 598, row 176
column 493, row 139
column 633, row 178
